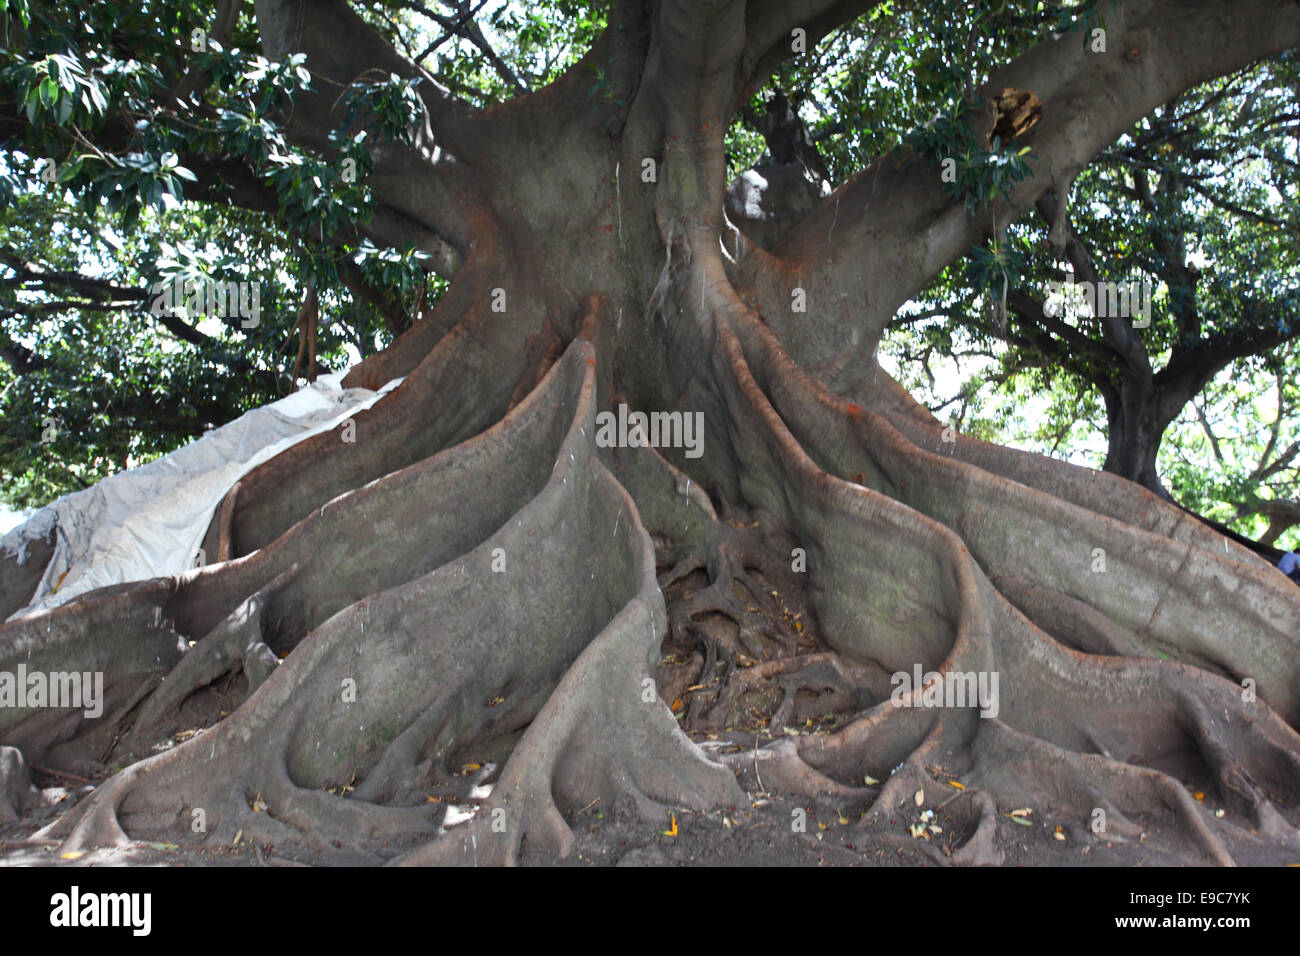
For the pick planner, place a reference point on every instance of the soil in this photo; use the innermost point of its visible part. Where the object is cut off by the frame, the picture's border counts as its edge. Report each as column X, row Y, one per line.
column 762, row 834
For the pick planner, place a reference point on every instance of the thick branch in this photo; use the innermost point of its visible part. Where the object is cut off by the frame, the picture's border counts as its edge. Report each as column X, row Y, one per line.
column 340, row 48
column 853, row 261
column 769, row 25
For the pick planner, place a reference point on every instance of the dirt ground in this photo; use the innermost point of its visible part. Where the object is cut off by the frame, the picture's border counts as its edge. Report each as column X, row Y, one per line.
column 766, row 833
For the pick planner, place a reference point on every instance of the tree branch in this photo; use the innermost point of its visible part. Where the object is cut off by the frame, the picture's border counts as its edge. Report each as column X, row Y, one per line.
column 1031, row 312
column 770, row 23
column 1209, row 433
column 848, row 253
column 1118, row 333
column 340, row 47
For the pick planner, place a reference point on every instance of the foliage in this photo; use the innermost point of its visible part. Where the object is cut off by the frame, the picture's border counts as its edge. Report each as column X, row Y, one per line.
column 99, row 210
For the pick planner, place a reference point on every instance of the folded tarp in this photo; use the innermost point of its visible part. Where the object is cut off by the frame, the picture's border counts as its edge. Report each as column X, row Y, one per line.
column 150, row 521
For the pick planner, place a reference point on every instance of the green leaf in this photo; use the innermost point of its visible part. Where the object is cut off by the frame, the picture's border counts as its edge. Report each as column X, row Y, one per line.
column 49, row 92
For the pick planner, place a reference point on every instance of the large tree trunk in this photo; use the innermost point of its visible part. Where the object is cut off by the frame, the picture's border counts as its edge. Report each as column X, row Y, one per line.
column 1137, row 415
column 476, row 578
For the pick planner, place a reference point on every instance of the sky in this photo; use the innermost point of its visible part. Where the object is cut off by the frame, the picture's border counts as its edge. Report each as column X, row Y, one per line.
column 11, row 519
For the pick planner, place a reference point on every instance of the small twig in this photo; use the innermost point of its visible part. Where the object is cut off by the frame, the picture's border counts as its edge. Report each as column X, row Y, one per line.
column 955, row 796
column 60, row 773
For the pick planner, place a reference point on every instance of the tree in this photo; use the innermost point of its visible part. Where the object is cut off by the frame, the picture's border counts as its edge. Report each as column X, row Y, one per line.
column 482, row 573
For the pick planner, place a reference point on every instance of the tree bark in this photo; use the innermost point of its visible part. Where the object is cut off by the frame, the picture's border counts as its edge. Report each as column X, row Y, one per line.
column 1137, row 415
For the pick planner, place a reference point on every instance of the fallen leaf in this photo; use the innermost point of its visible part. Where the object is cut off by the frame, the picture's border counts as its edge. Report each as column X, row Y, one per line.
column 1022, row 812
column 919, row 798
column 470, row 767
column 165, row 846
column 74, row 855
column 844, row 821
column 870, row 781
column 496, row 701
column 671, row 831
column 956, row 786
column 1199, row 795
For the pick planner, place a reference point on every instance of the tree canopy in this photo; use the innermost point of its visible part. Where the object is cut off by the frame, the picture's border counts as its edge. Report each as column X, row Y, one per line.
column 105, row 205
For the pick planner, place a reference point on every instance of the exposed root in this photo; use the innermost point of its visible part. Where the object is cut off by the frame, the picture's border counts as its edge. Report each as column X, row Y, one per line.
column 404, row 663
column 238, row 641
column 981, row 849
column 1184, row 599
column 468, row 376
column 1066, row 702
column 604, row 734
column 375, row 538
column 16, row 790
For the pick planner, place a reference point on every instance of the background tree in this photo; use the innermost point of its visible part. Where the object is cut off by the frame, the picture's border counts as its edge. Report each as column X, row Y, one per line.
column 477, row 580
column 1196, row 201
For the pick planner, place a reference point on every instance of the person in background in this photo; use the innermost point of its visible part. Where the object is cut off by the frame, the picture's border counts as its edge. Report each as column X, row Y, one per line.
column 1290, row 566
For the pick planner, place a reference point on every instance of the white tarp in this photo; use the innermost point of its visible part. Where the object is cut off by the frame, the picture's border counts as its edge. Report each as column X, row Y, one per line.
column 150, row 521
